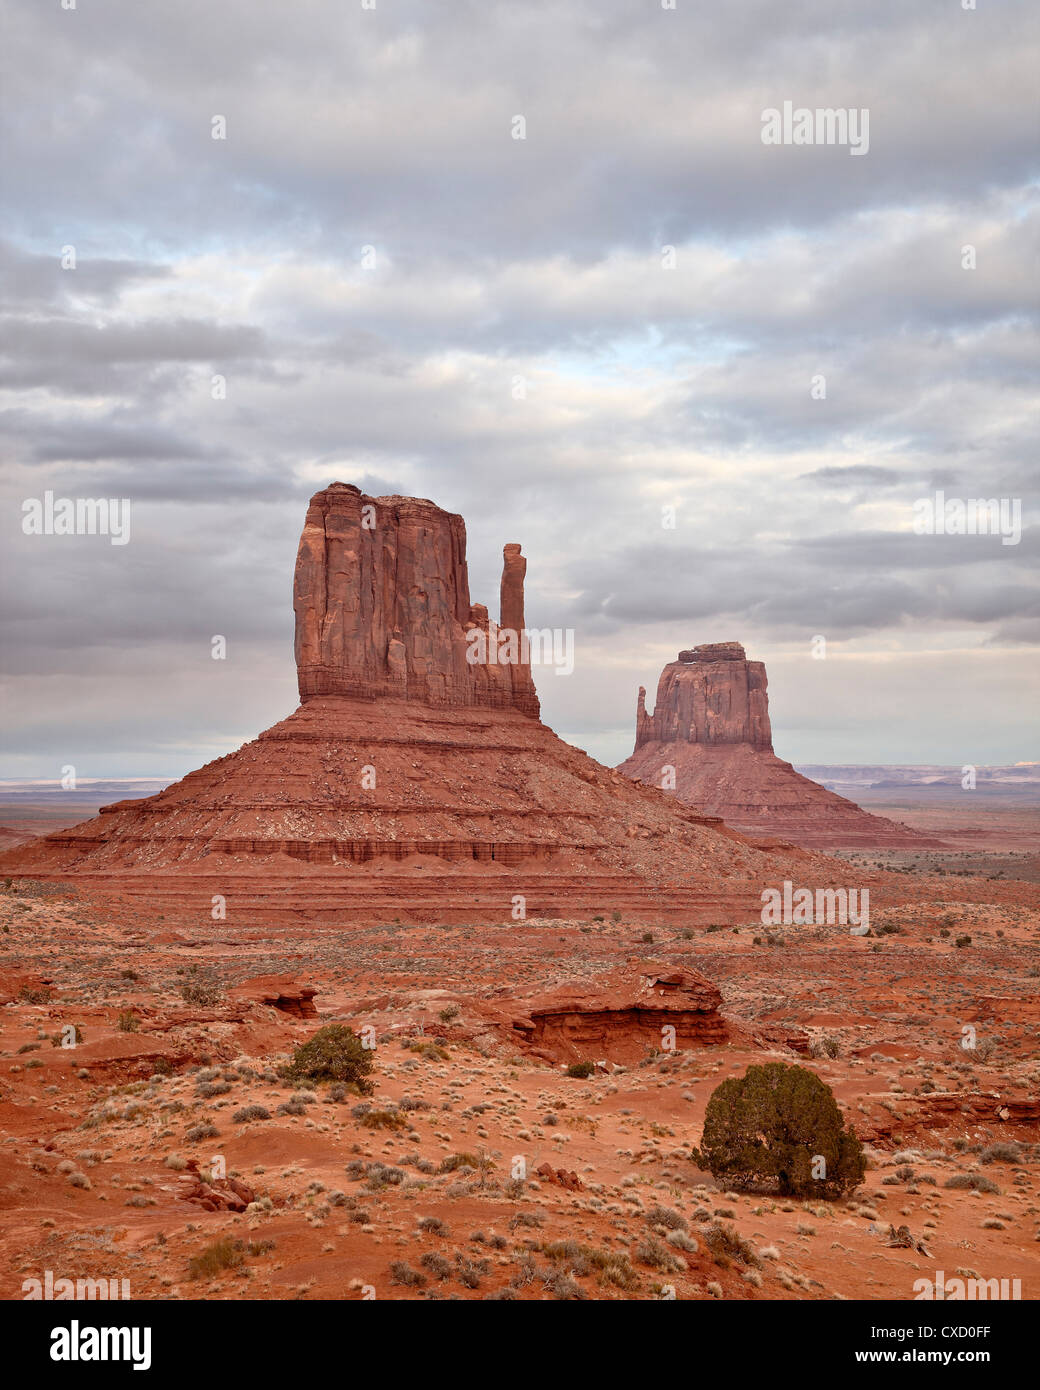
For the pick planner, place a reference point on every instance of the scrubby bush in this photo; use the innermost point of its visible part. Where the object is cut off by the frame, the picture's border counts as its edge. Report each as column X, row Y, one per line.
column 727, row 1244
column 384, row 1119
column 401, row 1272
column 977, row 1182
column 200, row 986
column 225, row 1254
column 334, row 1053
column 28, row 995
column 665, row 1216
column 197, row 1133
column 581, row 1071
column 1001, row 1153
column 250, row 1112
column 771, row 1126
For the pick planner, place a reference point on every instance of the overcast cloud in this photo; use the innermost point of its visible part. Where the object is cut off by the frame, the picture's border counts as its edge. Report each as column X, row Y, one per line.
column 666, row 286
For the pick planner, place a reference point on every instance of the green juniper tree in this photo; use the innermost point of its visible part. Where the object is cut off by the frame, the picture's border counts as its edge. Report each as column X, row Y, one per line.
column 780, row 1125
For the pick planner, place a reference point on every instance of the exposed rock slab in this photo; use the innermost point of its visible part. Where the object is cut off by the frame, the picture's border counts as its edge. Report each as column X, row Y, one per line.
column 644, row 1006
column 279, row 992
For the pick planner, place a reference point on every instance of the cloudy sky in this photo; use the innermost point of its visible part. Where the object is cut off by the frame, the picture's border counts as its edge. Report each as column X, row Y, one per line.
column 399, row 293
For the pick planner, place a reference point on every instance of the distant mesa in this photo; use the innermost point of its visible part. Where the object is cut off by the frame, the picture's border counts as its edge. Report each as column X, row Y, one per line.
column 415, row 782
column 709, row 743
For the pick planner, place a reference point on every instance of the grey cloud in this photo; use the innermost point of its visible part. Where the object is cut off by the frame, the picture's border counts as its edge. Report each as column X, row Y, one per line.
column 499, row 261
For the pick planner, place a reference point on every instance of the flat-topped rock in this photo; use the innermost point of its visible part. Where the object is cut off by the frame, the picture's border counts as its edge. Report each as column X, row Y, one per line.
column 711, row 694
column 709, row 743
column 382, row 604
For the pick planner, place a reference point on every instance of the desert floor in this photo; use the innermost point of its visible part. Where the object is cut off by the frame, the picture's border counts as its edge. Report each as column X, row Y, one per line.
column 429, row 1188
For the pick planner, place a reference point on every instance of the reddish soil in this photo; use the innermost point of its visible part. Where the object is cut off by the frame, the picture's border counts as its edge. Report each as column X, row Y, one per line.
column 120, row 1108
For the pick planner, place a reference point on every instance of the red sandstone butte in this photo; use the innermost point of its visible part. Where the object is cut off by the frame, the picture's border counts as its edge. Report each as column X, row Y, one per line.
column 414, row 782
column 709, row 743
column 382, row 605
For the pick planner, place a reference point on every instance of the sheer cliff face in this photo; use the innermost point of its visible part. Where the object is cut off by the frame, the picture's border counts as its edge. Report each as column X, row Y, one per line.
column 382, row 605
column 710, row 695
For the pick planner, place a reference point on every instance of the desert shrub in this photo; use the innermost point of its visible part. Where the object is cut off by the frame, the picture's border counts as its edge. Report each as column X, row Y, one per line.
column 200, row 986
column 380, row 1175
column 294, row 1106
column 221, row 1255
column 963, row 941
column 562, row 1286
column 334, row 1053
column 972, row 1181
column 250, row 1112
column 197, row 1133
column 726, row 1244
column 664, row 1216
column 581, row 1070
column 433, row 1226
column 414, row 1103
column 769, row 1126
column 438, row 1266
column 128, row 1022
column 431, row 1051
column 657, row 1256
column 213, row 1088
column 468, row 1272
column 524, row 1218
column 28, row 995
column 401, row 1272
column 453, row 1162
column 449, row 1014
column 1001, row 1153
column 384, row 1119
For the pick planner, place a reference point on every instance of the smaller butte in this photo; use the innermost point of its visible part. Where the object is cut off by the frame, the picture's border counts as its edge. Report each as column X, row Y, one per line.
column 709, row 743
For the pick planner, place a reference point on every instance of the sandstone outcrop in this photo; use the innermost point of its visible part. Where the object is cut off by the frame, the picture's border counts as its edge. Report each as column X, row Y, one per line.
column 709, row 743
column 279, row 992
column 620, row 1017
column 213, row 1194
column 562, row 1177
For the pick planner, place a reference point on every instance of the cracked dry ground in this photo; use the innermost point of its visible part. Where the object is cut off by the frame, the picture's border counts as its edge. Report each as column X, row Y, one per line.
column 410, row 1192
